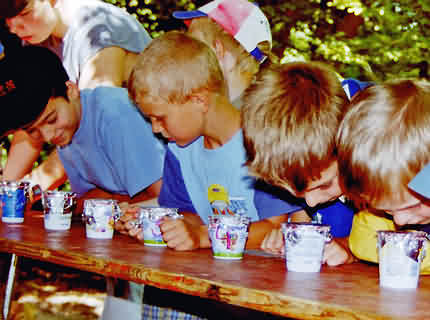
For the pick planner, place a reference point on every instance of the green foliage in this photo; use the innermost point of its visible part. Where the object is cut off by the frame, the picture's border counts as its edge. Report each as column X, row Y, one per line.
column 365, row 39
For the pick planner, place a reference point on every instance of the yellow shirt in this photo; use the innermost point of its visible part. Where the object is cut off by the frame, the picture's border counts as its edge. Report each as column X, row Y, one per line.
column 363, row 238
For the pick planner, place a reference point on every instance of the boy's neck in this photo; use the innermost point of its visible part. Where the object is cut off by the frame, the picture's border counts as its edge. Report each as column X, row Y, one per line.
column 223, row 122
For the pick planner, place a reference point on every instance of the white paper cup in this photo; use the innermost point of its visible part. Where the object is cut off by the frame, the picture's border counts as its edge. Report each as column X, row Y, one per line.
column 228, row 235
column 304, row 245
column 400, row 255
column 149, row 219
column 100, row 216
column 57, row 209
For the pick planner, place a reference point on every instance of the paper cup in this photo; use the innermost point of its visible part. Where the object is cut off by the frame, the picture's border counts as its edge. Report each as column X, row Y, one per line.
column 400, row 256
column 14, row 195
column 100, row 216
column 57, row 209
column 304, row 245
column 228, row 235
column 149, row 219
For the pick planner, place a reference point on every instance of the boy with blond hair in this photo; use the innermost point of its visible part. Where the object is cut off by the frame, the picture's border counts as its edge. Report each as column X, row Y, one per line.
column 206, row 151
column 240, row 35
column 290, row 119
column 383, row 153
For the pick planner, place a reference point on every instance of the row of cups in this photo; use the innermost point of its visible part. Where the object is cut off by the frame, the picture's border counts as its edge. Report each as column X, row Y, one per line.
column 400, row 253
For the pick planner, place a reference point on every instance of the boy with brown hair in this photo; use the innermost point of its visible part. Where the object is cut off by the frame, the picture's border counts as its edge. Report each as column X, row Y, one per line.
column 383, row 154
column 240, row 35
column 290, row 119
column 177, row 83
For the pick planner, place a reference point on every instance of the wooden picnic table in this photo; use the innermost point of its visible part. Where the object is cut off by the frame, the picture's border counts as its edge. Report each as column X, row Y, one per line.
column 258, row 281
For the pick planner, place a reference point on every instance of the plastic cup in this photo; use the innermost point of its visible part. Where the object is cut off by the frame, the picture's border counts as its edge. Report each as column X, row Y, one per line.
column 304, row 245
column 13, row 195
column 57, row 209
column 400, row 255
column 100, row 216
column 228, row 234
column 149, row 219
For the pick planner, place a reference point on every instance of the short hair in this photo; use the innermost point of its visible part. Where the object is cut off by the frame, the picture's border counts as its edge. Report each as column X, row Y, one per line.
column 207, row 30
column 384, row 140
column 173, row 67
column 290, row 120
column 11, row 8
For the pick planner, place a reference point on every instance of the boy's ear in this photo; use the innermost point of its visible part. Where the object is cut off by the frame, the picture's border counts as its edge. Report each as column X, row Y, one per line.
column 201, row 100
column 219, row 49
column 72, row 90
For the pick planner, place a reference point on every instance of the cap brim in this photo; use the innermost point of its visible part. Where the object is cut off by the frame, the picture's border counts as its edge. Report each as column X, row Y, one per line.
column 421, row 182
column 186, row 15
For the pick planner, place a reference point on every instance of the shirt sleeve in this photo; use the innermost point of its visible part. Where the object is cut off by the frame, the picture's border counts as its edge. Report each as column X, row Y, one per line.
column 271, row 201
column 173, row 193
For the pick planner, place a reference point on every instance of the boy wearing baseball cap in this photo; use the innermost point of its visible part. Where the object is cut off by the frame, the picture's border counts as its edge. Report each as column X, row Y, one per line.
column 239, row 33
column 103, row 141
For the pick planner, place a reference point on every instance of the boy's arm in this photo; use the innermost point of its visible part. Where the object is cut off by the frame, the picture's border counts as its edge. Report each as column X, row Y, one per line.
column 258, row 230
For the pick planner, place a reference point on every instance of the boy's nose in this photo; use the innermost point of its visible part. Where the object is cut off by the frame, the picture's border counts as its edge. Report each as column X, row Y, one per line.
column 47, row 133
column 400, row 219
column 312, row 199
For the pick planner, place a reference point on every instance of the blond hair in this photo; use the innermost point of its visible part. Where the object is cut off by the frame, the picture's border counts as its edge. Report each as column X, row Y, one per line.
column 172, row 68
column 384, row 140
column 290, row 119
column 208, row 31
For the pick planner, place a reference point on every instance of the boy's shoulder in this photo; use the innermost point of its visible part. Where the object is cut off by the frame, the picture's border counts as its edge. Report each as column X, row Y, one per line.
column 112, row 102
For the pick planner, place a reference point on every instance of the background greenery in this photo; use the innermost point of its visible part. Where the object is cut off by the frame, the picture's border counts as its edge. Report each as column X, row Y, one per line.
column 363, row 39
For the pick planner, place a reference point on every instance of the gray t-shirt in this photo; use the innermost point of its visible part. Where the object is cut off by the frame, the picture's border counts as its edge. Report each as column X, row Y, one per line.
column 98, row 25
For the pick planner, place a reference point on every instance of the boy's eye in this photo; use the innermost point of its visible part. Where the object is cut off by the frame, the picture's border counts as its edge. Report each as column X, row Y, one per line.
column 52, row 119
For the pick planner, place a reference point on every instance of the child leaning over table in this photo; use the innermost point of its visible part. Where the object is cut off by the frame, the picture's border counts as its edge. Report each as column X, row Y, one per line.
column 290, row 119
column 240, row 35
column 384, row 155
column 102, row 139
column 178, row 84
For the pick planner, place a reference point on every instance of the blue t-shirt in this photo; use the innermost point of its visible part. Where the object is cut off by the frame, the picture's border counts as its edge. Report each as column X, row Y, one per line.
column 114, row 147
column 337, row 214
column 191, row 172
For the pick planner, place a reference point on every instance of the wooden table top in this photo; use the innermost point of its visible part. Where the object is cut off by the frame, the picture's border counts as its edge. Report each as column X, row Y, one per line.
column 257, row 281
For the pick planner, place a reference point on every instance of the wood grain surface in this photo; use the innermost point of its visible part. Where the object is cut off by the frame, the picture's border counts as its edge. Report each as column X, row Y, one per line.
column 257, row 281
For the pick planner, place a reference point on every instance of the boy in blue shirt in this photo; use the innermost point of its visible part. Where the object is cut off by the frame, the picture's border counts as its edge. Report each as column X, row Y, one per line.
column 178, row 84
column 105, row 144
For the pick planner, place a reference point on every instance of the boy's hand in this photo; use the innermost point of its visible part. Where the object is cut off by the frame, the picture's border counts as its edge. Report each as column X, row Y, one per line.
column 125, row 224
column 335, row 254
column 180, row 234
column 274, row 242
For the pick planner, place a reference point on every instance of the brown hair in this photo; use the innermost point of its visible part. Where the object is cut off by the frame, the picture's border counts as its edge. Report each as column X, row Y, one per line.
column 290, row 120
column 384, row 140
column 173, row 67
column 208, row 31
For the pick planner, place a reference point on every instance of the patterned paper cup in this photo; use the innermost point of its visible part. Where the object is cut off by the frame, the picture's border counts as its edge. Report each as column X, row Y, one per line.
column 149, row 219
column 304, row 245
column 100, row 216
column 57, row 209
column 228, row 235
column 400, row 256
